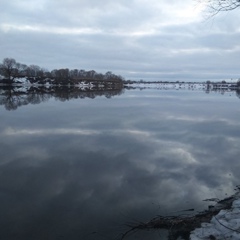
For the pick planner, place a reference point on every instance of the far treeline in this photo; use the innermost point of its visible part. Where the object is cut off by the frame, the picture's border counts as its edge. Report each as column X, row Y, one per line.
column 12, row 71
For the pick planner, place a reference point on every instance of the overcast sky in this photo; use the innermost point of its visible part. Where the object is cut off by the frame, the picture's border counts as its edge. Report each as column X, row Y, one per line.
column 138, row 39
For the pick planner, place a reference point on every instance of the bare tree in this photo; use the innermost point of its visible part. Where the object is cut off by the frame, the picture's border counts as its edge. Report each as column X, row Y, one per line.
column 8, row 68
column 34, row 71
column 21, row 69
column 216, row 6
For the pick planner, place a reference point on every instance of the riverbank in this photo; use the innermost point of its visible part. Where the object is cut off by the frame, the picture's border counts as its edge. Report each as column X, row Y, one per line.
column 220, row 221
column 224, row 225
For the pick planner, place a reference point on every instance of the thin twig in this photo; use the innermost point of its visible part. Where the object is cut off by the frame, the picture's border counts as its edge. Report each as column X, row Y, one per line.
column 234, row 230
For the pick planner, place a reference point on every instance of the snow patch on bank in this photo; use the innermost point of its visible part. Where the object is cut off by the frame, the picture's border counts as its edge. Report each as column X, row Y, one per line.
column 225, row 225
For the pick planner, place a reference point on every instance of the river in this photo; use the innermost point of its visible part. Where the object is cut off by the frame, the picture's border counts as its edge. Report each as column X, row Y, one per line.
column 83, row 166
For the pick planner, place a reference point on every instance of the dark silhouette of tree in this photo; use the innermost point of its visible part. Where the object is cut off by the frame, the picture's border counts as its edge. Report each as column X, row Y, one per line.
column 34, row 71
column 13, row 72
column 90, row 74
column 73, row 73
column 21, row 69
column 238, row 93
column 8, row 68
column 238, row 83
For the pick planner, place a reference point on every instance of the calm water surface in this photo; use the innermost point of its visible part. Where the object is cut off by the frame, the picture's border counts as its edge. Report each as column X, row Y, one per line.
column 82, row 168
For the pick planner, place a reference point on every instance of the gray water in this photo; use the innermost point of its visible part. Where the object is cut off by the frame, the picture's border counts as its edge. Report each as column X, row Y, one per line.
column 81, row 168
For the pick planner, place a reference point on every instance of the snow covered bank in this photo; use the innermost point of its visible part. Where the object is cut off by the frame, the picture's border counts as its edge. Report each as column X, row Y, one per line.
column 225, row 225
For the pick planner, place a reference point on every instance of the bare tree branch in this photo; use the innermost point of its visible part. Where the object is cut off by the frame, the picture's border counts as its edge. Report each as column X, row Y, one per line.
column 216, row 6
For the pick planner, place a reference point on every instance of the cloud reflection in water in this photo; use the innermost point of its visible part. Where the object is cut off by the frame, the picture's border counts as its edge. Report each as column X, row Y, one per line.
column 100, row 164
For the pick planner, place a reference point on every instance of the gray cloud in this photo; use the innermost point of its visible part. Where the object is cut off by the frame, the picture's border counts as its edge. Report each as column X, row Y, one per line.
column 136, row 39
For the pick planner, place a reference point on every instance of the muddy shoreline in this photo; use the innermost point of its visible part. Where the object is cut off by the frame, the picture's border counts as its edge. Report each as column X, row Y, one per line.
column 183, row 225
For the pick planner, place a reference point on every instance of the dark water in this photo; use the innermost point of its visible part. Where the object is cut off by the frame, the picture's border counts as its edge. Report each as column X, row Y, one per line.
column 82, row 167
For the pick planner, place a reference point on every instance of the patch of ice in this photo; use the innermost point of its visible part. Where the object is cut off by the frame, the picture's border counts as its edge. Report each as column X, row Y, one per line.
column 225, row 225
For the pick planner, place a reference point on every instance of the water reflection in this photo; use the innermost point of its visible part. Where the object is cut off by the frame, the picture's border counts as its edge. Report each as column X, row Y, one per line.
column 13, row 97
column 81, row 169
